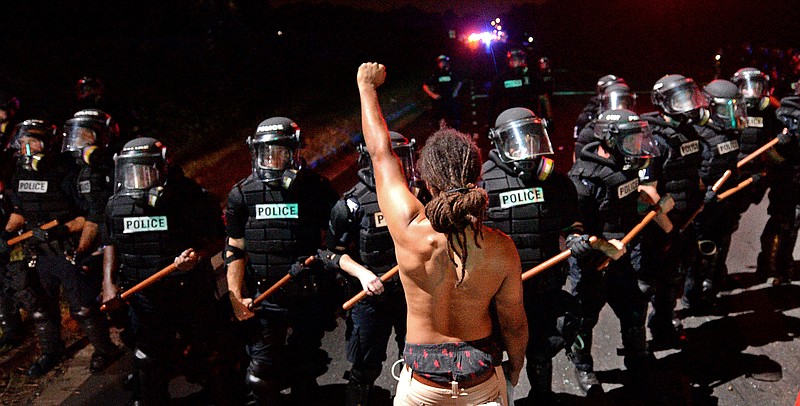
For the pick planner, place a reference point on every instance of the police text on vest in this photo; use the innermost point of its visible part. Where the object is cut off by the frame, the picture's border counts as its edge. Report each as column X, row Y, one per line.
column 276, row 211
column 33, row 186
column 627, row 188
column 142, row 224
column 521, row 197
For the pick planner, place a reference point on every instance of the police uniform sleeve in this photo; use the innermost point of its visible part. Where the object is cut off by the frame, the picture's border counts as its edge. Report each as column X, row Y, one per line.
column 569, row 201
column 236, row 213
column 96, row 198
column 107, row 230
column 341, row 227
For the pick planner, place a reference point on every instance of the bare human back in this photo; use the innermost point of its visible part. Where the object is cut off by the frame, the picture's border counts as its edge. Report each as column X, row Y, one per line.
column 452, row 268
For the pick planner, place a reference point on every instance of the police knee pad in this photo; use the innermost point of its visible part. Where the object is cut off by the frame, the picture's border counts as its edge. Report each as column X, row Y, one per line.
column 80, row 314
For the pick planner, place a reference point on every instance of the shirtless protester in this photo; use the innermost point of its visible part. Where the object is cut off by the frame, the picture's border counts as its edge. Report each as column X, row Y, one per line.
column 451, row 267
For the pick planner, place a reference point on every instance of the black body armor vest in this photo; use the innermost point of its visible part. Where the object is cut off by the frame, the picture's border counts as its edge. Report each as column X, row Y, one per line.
column 617, row 210
column 532, row 213
column 281, row 226
column 679, row 175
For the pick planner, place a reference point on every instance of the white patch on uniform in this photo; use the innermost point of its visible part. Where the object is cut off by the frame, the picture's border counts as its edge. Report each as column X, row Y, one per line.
column 757, row 122
column 145, row 223
column 380, row 221
column 509, row 84
column 690, row 147
column 352, row 205
column 627, row 188
column 276, row 211
column 84, row 186
column 521, row 197
column 728, row 146
column 32, row 186
column 443, row 79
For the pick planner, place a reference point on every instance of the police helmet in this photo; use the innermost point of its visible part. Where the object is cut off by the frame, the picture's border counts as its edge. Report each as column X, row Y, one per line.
column 726, row 104
column 679, row 96
column 140, row 167
column 789, row 113
column 404, row 148
column 88, row 128
column 604, row 82
column 274, row 148
column 618, row 96
column 626, row 134
column 33, row 137
column 521, row 141
column 516, row 56
column 754, row 86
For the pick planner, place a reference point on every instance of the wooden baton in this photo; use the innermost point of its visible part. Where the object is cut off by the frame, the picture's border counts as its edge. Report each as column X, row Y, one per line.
column 361, row 295
column 274, row 288
column 28, row 234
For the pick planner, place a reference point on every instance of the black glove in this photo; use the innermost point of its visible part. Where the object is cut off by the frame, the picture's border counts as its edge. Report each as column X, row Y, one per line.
column 710, row 198
column 58, row 232
column 786, row 138
column 298, row 267
column 579, row 245
column 329, row 259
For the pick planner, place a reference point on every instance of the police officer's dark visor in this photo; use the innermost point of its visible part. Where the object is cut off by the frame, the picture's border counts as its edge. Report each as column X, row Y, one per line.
column 753, row 87
column 635, row 140
column 523, row 139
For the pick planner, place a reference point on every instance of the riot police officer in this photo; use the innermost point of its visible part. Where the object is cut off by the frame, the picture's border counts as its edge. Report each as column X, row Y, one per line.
column 607, row 181
column 443, row 87
column 155, row 218
column 762, row 126
column 665, row 256
column 615, row 96
column 594, row 107
column 44, row 190
column 533, row 205
column 517, row 86
column 718, row 220
column 780, row 233
column 275, row 218
column 361, row 246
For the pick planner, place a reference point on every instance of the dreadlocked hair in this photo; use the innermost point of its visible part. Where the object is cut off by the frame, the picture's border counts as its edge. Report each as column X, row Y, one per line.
column 450, row 163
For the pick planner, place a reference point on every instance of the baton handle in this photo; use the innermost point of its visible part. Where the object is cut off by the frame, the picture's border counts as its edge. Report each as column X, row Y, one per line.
column 757, row 152
column 28, row 234
column 740, row 186
column 632, row 234
column 274, row 288
column 361, row 295
column 563, row 255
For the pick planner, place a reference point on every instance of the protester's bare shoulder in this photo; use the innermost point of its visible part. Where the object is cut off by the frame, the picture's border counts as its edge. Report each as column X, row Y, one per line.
column 499, row 247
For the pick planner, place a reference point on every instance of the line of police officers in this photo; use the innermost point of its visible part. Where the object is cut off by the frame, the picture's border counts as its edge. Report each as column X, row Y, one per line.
column 138, row 213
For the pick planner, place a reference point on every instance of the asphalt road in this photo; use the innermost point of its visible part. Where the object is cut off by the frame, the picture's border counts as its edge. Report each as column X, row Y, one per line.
column 746, row 353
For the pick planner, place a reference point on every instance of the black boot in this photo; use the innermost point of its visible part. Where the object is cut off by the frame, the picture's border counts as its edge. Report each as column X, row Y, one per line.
column 105, row 351
column 357, row 394
column 584, row 371
column 540, row 376
column 49, row 334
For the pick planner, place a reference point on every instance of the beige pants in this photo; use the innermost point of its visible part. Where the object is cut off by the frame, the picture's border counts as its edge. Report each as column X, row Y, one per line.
column 413, row 393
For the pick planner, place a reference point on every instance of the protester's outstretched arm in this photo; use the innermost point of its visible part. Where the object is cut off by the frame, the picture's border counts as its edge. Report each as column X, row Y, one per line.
column 398, row 204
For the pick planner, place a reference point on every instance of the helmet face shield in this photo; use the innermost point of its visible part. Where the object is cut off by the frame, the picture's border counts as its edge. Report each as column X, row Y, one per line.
column 273, row 157
column 635, row 140
column 138, row 177
column 522, row 140
column 27, row 146
column 729, row 113
column 753, row 87
column 686, row 98
column 619, row 101
column 77, row 137
column 406, row 154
